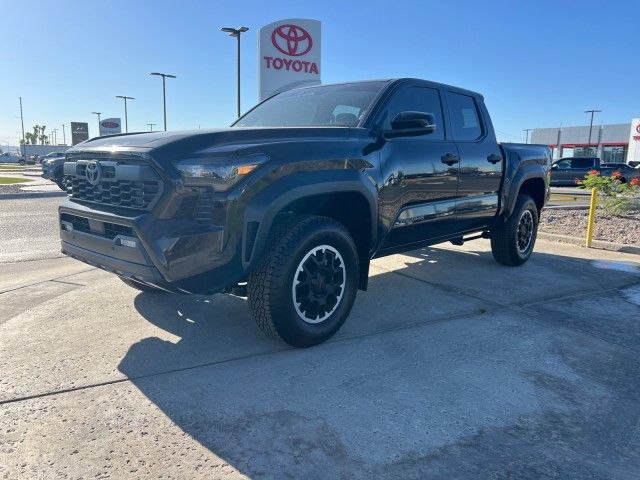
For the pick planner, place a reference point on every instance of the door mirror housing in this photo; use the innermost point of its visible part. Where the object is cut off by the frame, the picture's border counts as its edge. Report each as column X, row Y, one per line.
column 554, row 166
column 412, row 123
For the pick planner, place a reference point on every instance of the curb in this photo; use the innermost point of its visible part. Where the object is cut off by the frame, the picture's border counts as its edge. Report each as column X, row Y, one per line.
column 16, row 196
column 599, row 244
column 567, row 207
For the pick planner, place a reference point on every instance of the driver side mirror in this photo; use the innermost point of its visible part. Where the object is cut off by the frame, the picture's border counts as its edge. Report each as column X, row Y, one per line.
column 554, row 166
column 412, row 123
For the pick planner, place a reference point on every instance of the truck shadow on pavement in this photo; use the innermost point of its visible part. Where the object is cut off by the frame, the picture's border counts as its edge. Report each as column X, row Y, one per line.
column 449, row 366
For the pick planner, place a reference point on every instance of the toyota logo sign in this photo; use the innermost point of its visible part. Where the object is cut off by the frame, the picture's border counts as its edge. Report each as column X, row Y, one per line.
column 638, row 128
column 291, row 40
column 93, row 172
column 289, row 55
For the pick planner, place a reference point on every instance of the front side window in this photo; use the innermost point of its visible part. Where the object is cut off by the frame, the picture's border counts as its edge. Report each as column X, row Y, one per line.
column 465, row 120
column 328, row 106
column 416, row 99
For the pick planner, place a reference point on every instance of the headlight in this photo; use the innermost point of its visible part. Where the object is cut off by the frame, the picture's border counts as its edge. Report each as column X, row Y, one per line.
column 220, row 174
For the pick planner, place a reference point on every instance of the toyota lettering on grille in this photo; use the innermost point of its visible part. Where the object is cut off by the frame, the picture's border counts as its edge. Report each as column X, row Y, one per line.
column 93, row 172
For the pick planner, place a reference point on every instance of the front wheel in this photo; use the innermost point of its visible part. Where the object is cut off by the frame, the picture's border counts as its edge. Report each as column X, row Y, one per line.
column 512, row 241
column 304, row 288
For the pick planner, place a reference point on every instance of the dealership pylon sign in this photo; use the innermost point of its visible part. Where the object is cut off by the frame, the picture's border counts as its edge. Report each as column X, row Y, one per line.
column 633, row 154
column 288, row 55
column 110, row 126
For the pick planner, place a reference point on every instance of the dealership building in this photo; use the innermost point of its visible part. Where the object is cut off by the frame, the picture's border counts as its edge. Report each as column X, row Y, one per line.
column 616, row 143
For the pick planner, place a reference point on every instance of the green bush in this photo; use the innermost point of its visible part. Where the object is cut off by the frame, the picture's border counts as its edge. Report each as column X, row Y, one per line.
column 617, row 197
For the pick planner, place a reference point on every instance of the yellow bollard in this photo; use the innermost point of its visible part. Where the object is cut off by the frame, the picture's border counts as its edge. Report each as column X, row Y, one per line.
column 592, row 216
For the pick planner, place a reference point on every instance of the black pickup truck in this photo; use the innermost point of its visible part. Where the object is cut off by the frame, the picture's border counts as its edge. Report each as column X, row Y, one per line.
column 294, row 200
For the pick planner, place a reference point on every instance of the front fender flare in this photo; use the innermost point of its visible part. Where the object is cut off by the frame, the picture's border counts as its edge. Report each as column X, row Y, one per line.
column 261, row 211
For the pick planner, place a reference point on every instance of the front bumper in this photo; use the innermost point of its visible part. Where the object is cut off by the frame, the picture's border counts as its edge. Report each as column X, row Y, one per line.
column 178, row 255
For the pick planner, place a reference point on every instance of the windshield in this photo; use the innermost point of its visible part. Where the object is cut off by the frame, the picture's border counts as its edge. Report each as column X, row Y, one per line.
column 333, row 105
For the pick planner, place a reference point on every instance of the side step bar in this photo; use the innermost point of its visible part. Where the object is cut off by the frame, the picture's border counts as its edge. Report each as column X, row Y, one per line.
column 461, row 240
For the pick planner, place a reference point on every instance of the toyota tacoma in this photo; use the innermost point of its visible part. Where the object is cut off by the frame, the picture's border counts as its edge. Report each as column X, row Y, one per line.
column 294, row 199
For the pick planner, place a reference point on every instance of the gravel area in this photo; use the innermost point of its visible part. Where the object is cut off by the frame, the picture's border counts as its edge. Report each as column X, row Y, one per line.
column 617, row 229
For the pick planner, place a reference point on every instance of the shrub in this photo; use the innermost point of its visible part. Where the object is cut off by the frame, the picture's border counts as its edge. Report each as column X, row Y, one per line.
column 617, row 197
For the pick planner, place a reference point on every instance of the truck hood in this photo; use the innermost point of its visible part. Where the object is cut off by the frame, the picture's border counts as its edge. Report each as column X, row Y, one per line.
column 200, row 141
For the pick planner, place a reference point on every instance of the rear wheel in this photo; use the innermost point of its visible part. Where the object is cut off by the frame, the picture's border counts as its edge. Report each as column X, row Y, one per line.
column 141, row 286
column 512, row 241
column 304, row 288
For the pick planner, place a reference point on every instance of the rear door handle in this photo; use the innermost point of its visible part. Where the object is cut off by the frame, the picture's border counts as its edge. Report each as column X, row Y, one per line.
column 493, row 158
column 450, row 159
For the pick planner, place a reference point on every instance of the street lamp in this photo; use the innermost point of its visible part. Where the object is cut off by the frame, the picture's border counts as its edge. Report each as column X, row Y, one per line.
column 126, row 120
column 527, row 130
column 24, row 144
column 64, row 135
column 98, row 114
column 592, row 112
column 164, row 94
column 150, row 125
column 236, row 32
column 55, row 136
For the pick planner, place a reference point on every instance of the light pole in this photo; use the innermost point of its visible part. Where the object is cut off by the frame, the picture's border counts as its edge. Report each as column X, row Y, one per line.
column 527, row 130
column 64, row 135
column 592, row 112
column 151, row 127
column 126, row 120
column 55, row 136
column 24, row 145
column 164, row 93
column 98, row 114
column 236, row 32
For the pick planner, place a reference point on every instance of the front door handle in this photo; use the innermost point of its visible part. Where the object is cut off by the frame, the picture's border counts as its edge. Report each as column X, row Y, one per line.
column 450, row 159
column 493, row 158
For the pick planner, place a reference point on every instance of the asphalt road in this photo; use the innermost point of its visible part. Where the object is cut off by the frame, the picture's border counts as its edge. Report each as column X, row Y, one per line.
column 29, row 228
column 450, row 366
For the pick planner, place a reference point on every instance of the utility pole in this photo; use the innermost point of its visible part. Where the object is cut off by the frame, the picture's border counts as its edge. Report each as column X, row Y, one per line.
column 592, row 112
column 151, row 125
column 126, row 121
column 527, row 130
column 98, row 114
column 164, row 94
column 24, row 144
column 236, row 32
column 64, row 135
column 55, row 136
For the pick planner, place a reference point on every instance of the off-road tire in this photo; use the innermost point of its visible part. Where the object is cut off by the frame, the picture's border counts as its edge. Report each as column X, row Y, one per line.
column 504, row 238
column 141, row 286
column 270, row 286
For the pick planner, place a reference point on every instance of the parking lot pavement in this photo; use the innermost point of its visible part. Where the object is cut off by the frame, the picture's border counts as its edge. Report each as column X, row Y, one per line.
column 450, row 366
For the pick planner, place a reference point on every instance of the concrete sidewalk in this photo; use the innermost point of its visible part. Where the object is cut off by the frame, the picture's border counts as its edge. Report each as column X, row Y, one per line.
column 450, row 366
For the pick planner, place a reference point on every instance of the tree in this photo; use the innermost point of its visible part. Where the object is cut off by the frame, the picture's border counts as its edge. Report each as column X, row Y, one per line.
column 38, row 135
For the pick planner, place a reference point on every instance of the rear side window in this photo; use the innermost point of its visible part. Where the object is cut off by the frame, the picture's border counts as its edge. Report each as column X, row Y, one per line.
column 465, row 120
column 582, row 163
column 417, row 99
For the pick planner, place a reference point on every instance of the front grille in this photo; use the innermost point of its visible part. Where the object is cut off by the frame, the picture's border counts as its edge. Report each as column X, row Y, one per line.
column 96, row 227
column 121, row 183
column 128, row 194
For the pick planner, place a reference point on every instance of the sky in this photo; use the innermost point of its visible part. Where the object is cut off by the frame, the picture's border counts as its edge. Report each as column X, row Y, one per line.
column 538, row 63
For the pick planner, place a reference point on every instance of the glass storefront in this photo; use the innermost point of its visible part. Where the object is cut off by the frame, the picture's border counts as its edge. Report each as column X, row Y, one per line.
column 613, row 154
column 585, row 152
